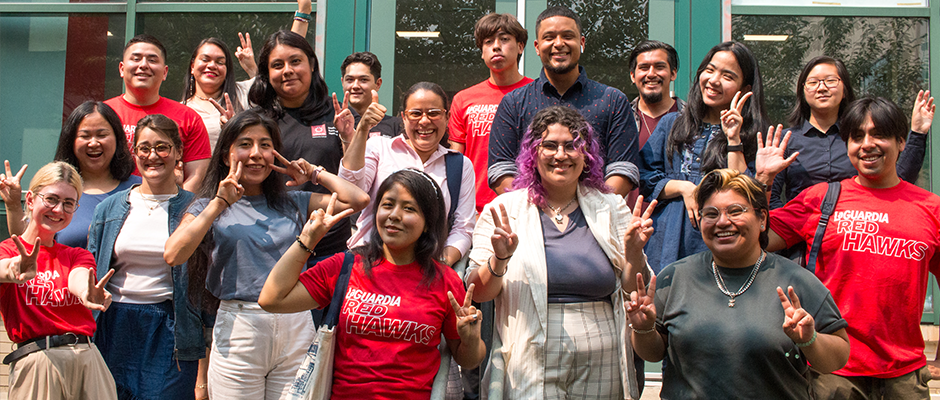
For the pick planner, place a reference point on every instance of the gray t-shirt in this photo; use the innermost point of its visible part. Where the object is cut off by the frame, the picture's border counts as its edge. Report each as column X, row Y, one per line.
column 249, row 238
column 718, row 352
column 577, row 268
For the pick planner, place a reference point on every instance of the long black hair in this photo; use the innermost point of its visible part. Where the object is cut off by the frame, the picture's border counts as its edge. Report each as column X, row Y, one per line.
column 121, row 165
column 273, row 188
column 801, row 110
column 318, row 103
column 228, row 86
column 430, row 244
column 689, row 123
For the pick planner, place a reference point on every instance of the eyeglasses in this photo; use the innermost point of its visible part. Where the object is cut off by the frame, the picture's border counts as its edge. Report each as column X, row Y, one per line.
column 735, row 213
column 52, row 201
column 433, row 114
column 813, row 84
column 162, row 149
column 550, row 147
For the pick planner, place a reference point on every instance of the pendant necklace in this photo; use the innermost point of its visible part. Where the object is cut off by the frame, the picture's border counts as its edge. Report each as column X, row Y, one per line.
column 558, row 215
column 724, row 289
column 150, row 208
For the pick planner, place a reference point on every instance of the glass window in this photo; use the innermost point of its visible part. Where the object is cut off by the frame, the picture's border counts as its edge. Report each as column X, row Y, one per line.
column 611, row 29
column 451, row 59
column 176, row 32
column 885, row 56
column 51, row 63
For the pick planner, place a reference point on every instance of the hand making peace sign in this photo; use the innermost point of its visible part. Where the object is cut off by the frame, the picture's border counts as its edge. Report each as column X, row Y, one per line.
column 468, row 317
column 732, row 119
column 23, row 267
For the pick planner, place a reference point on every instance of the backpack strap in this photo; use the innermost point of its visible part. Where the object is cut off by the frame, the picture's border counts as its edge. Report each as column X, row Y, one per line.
column 454, row 164
column 827, row 207
column 339, row 293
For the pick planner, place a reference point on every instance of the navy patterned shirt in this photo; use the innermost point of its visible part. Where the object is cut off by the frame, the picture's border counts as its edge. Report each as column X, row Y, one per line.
column 605, row 108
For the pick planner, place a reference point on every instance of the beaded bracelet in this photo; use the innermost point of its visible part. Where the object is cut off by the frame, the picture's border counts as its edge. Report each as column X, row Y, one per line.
column 493, row 272
column 643, row 331
column 807, row 344
column 304, row 247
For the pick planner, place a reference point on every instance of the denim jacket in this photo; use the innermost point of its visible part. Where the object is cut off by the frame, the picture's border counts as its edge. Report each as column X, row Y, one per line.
column 105, row 227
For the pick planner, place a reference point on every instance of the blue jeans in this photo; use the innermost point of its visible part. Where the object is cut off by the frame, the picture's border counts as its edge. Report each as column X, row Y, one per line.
column 136, row 341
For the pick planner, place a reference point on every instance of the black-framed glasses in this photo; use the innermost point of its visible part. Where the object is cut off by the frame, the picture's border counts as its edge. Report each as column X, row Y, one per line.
column 735, row 213
column 550, row 147
column 162, row 149
column 51, row 201
column 433, row 114
column 813, row 84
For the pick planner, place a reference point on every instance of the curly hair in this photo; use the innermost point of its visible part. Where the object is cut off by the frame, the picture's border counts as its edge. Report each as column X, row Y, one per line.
column 584, row 141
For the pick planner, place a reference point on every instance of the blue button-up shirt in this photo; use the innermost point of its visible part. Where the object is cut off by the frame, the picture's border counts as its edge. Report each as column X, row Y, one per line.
column 824, row 158
column 605, row 108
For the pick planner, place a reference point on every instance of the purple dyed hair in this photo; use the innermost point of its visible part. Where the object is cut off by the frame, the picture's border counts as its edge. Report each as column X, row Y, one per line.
column 527, row 163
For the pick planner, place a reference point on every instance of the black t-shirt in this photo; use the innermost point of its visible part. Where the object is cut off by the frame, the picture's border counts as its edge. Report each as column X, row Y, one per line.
column 388, row 127
column 718, row 352
column 319, row 144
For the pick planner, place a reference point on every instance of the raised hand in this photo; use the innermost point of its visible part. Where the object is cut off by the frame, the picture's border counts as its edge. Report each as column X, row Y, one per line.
column 640, row 228
column 320, row 222
column 797, row 323
column 10, row 188
column 227, row 112
column 246, row 56
column 922, row 116
column 770, row 154
column 504, row 240
column 343, row 119
column 299, row 170
column 229, row 189
column 23, row 267
column 640, row 308
column 731, row 119
column 468, row 317
column 373, row 115
column 95, row 297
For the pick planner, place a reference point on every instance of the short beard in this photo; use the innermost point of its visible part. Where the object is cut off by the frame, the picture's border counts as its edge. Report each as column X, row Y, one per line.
column 652, row 98
column 560, row 70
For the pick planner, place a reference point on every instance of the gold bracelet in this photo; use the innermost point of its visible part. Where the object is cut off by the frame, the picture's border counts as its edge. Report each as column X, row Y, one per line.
column 643, row 331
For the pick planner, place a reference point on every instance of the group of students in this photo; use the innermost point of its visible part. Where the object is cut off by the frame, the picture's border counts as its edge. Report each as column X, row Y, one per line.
column 200, row 277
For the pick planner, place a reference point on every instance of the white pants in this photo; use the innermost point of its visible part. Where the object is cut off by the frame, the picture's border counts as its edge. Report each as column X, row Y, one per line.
column 255, row 354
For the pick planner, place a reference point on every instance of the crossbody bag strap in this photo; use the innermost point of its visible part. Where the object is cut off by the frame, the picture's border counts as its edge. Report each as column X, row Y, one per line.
column 826, row 209
column 339, row 293
column 453, row 162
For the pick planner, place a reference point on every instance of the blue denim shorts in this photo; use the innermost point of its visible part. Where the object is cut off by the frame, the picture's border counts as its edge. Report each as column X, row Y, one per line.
column 136, row 341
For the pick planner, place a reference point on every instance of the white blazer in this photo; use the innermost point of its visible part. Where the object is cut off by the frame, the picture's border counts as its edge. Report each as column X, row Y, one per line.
column 516, row 368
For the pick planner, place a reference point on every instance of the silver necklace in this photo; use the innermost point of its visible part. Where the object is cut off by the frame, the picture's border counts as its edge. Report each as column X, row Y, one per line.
column 724, row 289
column 558, row 215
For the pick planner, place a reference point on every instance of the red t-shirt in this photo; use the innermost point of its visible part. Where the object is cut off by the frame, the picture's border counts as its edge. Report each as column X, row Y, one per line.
column 389, row 327
column 43, row 305
column 471, row 116
column 192, row 129
column 879, row 246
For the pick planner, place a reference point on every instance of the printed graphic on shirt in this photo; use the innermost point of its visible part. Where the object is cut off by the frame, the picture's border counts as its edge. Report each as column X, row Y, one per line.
column 322, row 131
column 481, row 117
column 859, row 230
column 41, row 291
column 365, row 315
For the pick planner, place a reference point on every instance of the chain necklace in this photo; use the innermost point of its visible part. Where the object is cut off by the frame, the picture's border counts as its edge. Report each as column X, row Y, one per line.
column 208, row 98
column 724, row 289
column 558, row 215
column 158, row 202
